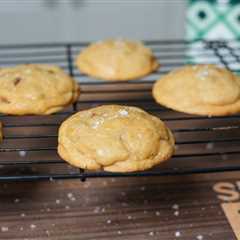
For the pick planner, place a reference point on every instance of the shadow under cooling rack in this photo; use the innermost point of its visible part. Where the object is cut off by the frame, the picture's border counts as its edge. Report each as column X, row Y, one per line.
column 203, row 145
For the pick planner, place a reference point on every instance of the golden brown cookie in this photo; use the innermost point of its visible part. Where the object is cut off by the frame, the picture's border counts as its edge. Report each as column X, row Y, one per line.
column 117, row 60
column 115, row 138
column 35, row 89
column 201, row 89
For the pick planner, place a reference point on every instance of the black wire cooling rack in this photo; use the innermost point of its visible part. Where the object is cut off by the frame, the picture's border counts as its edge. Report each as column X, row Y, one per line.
column 203, row 145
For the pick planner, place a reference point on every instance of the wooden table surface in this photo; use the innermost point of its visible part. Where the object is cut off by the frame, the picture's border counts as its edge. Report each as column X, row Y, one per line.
column 138, row 208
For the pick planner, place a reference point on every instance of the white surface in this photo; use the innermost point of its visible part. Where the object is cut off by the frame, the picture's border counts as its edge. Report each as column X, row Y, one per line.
column 29, row 21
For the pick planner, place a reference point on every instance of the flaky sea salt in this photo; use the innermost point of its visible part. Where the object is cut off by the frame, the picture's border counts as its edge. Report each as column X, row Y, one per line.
column 199, row 237
column 58, row 201
column 69, row 195
column 4, row 229
column 177, row 234
column 176, row 213
column 22, row 153
column 157, row 213
column 151, row 234
column 32, row 226
column 119, row 232
column 16, row 200
column 96, row 210
column 109, row 221
column 23, row 215
column 129, row 217
column 175, row 206
column 123, row 112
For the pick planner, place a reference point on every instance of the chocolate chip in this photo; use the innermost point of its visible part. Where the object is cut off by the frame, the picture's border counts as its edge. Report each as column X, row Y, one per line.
column 4, row 100
column 17, row 81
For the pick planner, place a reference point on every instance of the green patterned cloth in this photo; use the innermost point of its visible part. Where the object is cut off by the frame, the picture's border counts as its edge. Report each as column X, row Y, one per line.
column 213, row 19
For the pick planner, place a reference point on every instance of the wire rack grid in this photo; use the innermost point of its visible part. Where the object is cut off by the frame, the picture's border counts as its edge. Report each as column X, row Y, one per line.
column 204, row 145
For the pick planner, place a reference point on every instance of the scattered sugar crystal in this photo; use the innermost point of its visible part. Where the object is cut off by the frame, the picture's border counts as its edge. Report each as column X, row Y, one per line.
column 48, row 233
column 151, row 233
column 129, row 217
column 21, row 228
column 175, row 206
column 4, row 229
column 16, row 200
column 145, row 211
column 32, row 226
column 109, row 221
column 57, row 201
column 67, row 207
column 22, row 153
column 123, row 112
column 23, row 215
column 48, row 209
column 119, row 232
column 157, row 213
column 176, row 213
column 199, row 237
column 177, row 234
column 143, row 188
column 103, row 209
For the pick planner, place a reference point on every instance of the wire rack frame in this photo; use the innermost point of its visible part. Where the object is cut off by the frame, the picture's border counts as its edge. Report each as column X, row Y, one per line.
column 204, row 145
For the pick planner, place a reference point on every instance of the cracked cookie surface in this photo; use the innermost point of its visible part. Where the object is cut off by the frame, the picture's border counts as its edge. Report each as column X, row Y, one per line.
column 35, row 89
column 200, row 89
column 115, row 59
column 115, row 138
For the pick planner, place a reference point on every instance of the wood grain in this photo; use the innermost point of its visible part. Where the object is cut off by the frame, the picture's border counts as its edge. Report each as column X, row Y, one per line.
column 119, row 208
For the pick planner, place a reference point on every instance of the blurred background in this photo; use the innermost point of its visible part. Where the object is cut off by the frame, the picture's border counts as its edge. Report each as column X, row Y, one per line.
column 31, row 21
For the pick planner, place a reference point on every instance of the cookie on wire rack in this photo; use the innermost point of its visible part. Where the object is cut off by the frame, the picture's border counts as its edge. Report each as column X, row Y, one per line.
column 35, row 89
column 201, row 89
column 117, row 59
column 114, row 138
